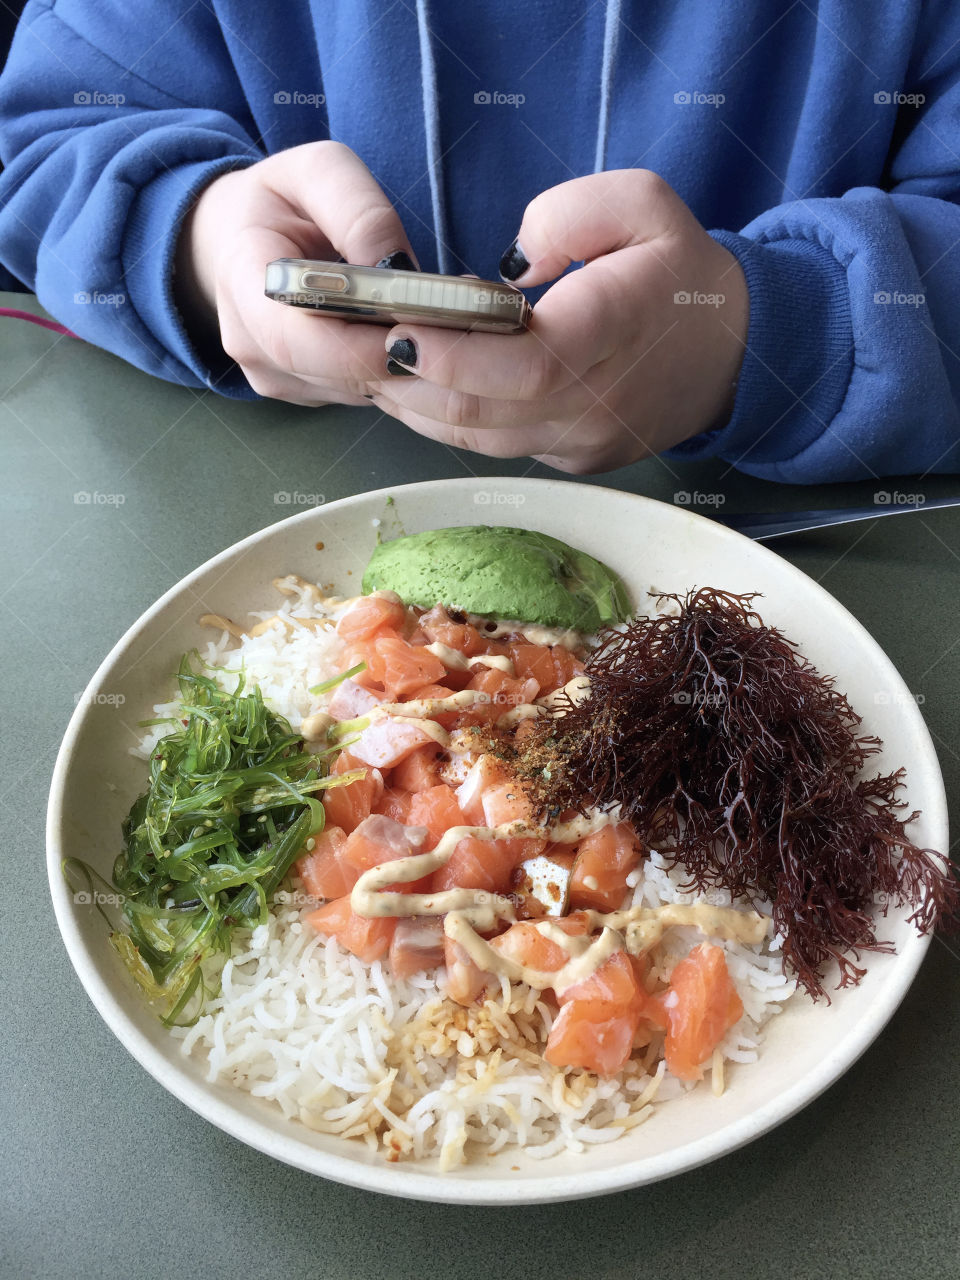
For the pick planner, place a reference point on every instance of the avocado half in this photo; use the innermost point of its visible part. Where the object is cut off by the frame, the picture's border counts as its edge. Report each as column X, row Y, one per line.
column 500, row 573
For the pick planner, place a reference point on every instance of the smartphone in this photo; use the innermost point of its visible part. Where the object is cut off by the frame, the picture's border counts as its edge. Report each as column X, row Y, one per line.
column 380, row 295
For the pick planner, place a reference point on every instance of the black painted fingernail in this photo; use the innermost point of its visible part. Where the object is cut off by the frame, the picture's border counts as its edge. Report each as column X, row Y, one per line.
column 368, row 397
column 513, row 263
column 399, row 260
column 404, row 351
column 398, row 371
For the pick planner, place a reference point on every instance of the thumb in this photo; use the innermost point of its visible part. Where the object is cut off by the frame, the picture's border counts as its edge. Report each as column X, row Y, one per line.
column 588, row 217
column 330, row 186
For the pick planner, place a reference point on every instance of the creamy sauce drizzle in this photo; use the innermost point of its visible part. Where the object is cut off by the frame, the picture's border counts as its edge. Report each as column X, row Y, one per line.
column 291, row 584
column 470, row 912
column 524, row 711
column 222, row 624
column 428, row 706
column 418, row 710
column 278, row 622
column 290, row 622
column 314, row 728
column 577, row 690
column 532, row 632
column 455, row 661
column 586, row 954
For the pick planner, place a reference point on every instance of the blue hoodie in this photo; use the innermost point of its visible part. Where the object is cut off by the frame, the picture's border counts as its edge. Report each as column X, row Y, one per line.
column 820, row 139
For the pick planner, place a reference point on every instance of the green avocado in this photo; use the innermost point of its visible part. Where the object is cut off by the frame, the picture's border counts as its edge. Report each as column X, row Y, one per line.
column 500, row 573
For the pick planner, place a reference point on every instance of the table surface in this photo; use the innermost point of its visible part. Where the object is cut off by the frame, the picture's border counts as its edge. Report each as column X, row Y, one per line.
column 106, row 1173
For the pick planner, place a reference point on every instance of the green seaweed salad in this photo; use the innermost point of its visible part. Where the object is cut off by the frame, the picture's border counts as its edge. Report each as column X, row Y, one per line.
column 229, row 807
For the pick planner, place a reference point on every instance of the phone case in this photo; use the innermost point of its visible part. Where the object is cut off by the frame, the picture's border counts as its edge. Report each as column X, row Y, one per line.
column 380, row 295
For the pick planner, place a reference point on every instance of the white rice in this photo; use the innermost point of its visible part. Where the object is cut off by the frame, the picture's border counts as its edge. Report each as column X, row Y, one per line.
column 345, row 1048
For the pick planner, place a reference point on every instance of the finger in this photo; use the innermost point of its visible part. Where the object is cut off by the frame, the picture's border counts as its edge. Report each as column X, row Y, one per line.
column 329, row 184
column 256, row 330
column 510, row 442
column 273, row 385
column 585, row 218
column 579, row 447
column 340, row 351
column 576, row 324
column 460, row 409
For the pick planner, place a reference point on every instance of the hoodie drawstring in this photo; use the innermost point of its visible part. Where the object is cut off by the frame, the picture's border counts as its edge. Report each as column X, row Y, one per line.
column 611, row 46
column 431, row 129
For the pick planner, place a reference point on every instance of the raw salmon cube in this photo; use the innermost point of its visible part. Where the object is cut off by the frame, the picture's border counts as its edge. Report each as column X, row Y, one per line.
column 418, row 771
column 417, row 945
column 477, row 864
column 406, row 667
column 380, row 839
column 351, row 700
column 394, row 803
column 486, row 772
column 701, row 1005
column 347, row 806
column 466, row 982
column 384, row 743
column 600, row 1044
column 463, row 637
column 369, row 616
column 604, row 860
column 525, row 944
column 506, row 803
column 367, row 939
column 324, row 872
column 437, row 810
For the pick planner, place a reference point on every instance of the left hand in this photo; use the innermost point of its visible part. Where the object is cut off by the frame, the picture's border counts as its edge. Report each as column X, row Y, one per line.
column 615, row 364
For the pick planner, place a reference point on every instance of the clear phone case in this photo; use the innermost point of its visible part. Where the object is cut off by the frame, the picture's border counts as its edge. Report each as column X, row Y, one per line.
column 380, row 295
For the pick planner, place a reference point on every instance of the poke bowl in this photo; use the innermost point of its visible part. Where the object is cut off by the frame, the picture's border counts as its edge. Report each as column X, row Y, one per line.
column 654, row 548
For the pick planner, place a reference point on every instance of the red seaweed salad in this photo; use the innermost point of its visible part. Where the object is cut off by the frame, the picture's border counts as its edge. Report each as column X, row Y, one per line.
column 737, row 759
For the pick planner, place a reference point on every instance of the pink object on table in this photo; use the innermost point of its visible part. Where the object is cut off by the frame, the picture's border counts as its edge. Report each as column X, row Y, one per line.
column 14, row 314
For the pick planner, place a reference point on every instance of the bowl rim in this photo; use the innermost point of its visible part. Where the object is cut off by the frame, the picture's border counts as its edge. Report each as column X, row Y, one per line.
column 458, row 1187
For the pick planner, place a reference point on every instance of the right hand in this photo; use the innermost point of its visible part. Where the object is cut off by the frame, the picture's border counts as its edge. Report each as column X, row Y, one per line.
column 320, row 201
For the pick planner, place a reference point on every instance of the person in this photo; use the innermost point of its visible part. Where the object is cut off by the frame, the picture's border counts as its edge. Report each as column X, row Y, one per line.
column 739, row 222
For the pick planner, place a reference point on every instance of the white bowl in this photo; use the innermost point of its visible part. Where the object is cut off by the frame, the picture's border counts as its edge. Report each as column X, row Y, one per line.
column 652, row 546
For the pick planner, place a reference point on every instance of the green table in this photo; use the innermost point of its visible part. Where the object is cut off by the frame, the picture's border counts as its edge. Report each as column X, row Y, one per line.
column 105, row 1174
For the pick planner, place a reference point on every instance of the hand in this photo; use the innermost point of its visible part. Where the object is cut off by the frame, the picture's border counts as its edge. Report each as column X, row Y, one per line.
column 314, row 201
column 615, row 364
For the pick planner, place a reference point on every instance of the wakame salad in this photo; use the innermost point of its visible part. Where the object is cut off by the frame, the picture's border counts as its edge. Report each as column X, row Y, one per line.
column 229, row 807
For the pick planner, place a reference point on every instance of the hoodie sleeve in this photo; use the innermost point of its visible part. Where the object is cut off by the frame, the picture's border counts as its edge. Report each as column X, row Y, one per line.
column 101, row 167
column 852, row 368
